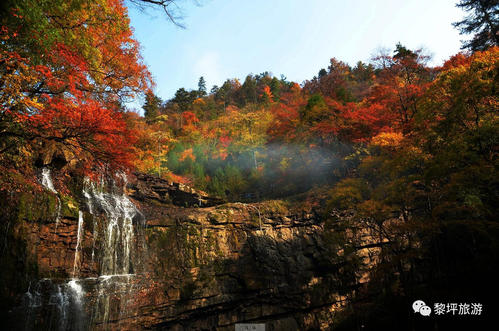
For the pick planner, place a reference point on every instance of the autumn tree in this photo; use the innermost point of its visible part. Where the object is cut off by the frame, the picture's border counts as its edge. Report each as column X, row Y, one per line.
column 153, row 139
column 287, row 115
column 266, row 96
column 332, row 83
column 401, row 82
column 459, row 125
column 66, row 69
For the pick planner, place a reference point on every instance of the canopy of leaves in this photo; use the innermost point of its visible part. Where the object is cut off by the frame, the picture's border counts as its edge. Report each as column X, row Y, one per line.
column 66, row 68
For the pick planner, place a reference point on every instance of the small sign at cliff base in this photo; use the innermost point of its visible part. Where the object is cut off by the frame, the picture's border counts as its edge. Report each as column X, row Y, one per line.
column 250, row 327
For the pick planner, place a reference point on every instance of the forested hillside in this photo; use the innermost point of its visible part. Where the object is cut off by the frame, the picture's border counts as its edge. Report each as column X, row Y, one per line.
column 274, row 137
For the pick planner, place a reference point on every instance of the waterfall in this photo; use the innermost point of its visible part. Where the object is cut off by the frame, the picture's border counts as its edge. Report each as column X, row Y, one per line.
column 113, row 217
column 77, row 290
column 79, row 302
column 78, row 243
column 117, row 229
column 46, row 181
column 54, row 305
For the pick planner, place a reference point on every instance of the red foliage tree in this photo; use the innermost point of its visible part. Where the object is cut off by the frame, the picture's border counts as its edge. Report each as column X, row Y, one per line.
column 64, row 75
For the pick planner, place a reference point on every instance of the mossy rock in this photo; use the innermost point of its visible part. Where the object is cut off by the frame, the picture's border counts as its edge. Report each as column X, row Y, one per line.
column 274, row 207
column 40, row 207
column 69, row 207
column 216, row 217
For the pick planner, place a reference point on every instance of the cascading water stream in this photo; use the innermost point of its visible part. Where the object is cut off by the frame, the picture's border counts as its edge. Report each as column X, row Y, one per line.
column 117, row 239
column 46, row 181
column 118, row 229
column 78, row 303
column 78, row 243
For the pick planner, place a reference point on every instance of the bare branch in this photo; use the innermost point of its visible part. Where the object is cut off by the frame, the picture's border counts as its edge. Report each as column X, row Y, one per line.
column 170, row 7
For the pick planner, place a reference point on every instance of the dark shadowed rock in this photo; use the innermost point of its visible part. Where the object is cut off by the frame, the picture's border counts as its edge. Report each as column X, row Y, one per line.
column 193, row 268
column 147, row 187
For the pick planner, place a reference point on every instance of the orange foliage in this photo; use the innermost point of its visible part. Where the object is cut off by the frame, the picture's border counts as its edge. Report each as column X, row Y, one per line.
column 71, row 96
column 457, row 60
column 189, row 118
column 187, row 154
column 178, row 179
column 387, row 139
column 225, row 141
column 267, row 94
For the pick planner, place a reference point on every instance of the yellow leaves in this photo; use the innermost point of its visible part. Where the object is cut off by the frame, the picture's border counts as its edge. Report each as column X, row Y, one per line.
column 25, row 151
column 187, row 154
column 33, row 103
column 145, row 161
column 153, row 143
column 71, row 205
column 161, row 119
column 148, row 161
column 244, row 128
column 464, row 95
column 388, row 139
column 16, row 76
column 199, row 101
column 481, row 66
column 488, row 57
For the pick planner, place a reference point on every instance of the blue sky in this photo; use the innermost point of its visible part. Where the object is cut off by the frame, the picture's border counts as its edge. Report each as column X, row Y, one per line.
column 232, row 38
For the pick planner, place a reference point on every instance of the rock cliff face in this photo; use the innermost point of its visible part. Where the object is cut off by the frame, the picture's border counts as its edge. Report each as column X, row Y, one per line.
column 191, row 268
column 154, row 189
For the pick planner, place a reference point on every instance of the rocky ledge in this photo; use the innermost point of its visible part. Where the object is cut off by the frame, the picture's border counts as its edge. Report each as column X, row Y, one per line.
column 271, row 262
column 201, row 264
column 147, row 187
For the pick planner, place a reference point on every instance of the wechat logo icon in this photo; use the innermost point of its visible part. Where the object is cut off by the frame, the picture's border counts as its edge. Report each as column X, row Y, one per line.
column 420, row 307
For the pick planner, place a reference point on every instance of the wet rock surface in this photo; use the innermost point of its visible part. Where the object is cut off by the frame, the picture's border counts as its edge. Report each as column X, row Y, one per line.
column 235, row 267
column 201, row 268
